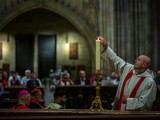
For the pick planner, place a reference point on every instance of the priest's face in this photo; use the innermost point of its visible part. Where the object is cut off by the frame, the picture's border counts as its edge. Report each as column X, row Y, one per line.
column 139, row 63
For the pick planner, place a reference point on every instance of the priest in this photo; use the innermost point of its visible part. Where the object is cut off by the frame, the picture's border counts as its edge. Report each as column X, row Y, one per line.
column 137, row 89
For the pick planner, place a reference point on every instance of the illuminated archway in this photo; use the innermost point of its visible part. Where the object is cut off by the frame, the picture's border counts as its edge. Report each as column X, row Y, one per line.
column 61, row 10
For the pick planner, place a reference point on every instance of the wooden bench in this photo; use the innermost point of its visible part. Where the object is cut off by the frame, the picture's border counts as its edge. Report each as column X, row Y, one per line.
column 81, row 97
column 14, row 90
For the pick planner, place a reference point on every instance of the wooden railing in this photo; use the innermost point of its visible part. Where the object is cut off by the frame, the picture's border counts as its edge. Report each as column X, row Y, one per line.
column 15, row 89
column 81, row 97
column 72, row 114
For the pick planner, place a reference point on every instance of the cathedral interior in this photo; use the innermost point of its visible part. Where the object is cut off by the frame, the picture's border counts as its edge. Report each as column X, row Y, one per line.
column 44, row 35
column 130, row 27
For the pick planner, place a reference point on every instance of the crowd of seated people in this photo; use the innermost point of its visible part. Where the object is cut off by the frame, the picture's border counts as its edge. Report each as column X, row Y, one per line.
column 57, row 78
column 30, row 81
column 15, row 79
column 62, row 78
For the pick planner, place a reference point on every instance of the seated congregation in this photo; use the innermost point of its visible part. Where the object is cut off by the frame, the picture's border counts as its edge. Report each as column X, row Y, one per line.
column 79, row 92
column 59, row 91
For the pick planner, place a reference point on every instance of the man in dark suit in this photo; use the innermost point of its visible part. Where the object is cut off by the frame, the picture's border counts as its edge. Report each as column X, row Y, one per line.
column 82, row 80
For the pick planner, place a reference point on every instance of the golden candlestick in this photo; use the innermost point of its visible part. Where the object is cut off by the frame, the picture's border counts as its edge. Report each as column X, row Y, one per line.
column 96, row 103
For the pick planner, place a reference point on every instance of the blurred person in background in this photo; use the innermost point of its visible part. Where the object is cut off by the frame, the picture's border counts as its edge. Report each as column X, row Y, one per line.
column 59, row 101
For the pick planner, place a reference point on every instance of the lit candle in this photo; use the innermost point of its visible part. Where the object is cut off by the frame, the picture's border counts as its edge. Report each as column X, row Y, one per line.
column 98, row 54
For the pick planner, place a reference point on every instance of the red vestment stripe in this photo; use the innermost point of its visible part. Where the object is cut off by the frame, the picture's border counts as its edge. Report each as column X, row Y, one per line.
column 134, row 91
column 122, row 89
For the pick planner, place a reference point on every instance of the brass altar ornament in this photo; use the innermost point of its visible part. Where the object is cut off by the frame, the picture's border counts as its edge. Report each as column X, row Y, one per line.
column 96, row 103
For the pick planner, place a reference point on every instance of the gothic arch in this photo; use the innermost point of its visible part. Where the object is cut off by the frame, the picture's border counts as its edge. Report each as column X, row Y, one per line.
column 59, row 9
